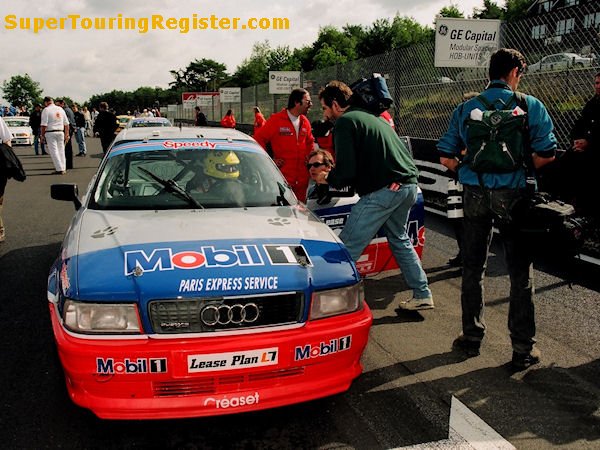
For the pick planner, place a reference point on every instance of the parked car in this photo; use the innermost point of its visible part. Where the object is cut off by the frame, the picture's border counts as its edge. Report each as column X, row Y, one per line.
column 122, row 122
column 561, row 61
column 191, row 282
column 20, row 129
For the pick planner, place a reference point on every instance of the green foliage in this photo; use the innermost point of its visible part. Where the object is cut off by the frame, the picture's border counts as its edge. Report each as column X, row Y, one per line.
column 199, row 75
column 22, row 90
column 385, row 35
column 515, row 9
column 490, row 10
column 451, row 11
column 143, row 97
column 255, row 70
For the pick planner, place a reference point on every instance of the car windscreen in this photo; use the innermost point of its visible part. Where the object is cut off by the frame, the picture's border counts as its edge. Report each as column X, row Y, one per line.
column 17, row 123
column 189, row 179
column 148, row 123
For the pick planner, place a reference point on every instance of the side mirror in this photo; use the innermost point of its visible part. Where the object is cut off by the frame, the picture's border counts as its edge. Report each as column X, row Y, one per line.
column 66, row 191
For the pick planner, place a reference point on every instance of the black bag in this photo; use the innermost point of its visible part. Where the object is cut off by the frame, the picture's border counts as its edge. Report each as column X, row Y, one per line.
column 10, row 165
column 552, row 228
column 371, row 94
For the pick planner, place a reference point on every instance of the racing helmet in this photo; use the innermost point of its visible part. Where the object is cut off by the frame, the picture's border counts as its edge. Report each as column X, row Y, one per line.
column 222, row 164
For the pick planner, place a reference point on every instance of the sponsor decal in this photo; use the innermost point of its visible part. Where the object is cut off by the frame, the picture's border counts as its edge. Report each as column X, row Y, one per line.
column 64, row 278
column 229, row 284
column 232, row 402
column 323, row 349
column 129, row 366
column 138, row 261
column 233, row 360
column 192, row 144
column 207, row 256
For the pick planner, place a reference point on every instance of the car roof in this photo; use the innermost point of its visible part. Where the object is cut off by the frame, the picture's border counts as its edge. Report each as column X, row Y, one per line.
column 149, row 134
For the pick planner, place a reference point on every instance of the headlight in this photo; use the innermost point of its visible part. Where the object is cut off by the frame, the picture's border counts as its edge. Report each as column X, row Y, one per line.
column 101, row 318
column 336, row 301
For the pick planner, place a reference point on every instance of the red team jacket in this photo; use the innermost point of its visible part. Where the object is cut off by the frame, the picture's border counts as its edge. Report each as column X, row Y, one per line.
column 290, row 149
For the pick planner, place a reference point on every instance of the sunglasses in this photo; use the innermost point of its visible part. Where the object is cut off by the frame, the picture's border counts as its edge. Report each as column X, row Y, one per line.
column 315, row 165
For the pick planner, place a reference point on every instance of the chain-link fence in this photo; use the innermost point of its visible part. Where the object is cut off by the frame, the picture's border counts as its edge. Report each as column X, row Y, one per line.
column 561, row 47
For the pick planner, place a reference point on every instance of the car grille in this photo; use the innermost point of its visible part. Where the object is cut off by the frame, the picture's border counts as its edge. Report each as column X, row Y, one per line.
column 212, row 385
column 210, row 314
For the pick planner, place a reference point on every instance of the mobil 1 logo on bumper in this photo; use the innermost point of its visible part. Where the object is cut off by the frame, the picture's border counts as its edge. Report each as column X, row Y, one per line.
column 233, row 360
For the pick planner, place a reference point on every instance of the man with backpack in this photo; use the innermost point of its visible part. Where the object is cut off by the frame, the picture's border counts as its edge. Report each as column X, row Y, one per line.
column 507, row 135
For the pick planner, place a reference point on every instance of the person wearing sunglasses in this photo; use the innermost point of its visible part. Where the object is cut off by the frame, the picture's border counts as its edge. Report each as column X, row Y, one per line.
column 287, row 137
column 319, row 162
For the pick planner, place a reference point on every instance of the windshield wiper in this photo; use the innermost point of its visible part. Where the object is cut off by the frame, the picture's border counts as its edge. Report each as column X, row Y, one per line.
column 173, row 187
column 281, row 200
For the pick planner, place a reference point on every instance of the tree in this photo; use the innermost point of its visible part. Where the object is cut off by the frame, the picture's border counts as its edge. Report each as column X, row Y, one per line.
column 451, row 11
column 384, row 35
column 21, row 90
column 199, row 75
column 515, row 10
column 490, row 10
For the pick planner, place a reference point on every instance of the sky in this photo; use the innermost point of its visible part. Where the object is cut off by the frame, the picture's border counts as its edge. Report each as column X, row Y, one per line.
column 82, row 62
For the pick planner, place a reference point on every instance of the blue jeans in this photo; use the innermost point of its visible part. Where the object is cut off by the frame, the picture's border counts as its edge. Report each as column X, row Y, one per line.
column 483, row 209
column 389, row 210
column 80, row 137
column 36, row 144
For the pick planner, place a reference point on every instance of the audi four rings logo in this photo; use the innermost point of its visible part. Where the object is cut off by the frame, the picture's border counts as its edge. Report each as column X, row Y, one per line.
column 237, row 314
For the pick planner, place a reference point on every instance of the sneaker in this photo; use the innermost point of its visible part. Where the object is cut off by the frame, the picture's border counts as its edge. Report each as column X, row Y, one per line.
column 521, row 361
column 468, row 346
column 417, row 304
column 2, row 234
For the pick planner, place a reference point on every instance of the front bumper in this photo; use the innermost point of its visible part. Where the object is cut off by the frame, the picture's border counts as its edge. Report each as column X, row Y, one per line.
column 152, row 378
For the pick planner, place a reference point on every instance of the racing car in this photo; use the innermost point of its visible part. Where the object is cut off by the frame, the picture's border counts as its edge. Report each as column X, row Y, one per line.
column 191, row 282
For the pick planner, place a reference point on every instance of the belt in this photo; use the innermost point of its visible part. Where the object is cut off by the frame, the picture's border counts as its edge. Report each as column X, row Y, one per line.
column 55, row 131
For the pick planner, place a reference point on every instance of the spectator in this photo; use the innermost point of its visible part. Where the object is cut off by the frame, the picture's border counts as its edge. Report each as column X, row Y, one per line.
column 80, row 130
column 5, row 138
column 55, row 133
column 200, row 120
column 88, row 121
column 72, row 128
column 34, row 122
column 105, row 125
column 586, row 155
column 228, row 120
column 371, row 156
column 287, row 137
column 259, row 119
column 319, row 161
column 488, row 199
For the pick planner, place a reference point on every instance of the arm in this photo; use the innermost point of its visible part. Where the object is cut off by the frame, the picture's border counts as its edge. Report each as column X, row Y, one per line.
column 541, row 134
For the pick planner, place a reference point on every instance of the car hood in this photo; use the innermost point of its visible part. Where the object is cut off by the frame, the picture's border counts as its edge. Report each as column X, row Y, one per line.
column 117, row 256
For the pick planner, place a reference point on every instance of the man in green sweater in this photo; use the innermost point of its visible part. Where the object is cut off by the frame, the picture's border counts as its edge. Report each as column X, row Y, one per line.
column 373, row 159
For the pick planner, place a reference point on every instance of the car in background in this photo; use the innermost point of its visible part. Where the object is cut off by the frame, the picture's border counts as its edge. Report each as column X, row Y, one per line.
column 561, row 61
column 122, row 121
column 149, row 122
column 20, row 129
column 192, row 282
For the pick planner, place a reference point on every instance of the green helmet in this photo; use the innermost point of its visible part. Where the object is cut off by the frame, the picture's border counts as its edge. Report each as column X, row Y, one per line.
column 223, row 164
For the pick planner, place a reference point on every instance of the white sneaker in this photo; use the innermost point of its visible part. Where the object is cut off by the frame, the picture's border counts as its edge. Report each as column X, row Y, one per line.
column 417, row 304
column 2, row 234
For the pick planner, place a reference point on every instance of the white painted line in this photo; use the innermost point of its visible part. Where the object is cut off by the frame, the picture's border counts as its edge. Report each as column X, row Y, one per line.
column 466, row 432
column 472, row 429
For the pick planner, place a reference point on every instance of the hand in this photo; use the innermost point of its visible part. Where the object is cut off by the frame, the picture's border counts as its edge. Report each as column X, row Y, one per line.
column 579, row 145
column 320, row 177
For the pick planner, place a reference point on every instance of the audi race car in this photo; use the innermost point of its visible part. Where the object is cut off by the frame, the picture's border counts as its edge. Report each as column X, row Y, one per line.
column 191, row 282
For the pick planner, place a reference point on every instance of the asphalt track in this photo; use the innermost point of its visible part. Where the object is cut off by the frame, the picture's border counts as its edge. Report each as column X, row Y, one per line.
column 412, row 379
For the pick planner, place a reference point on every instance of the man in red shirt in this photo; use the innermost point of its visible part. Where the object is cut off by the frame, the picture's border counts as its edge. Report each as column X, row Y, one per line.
column 287, row 137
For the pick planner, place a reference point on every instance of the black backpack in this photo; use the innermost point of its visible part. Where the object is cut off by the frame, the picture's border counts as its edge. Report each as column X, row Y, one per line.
column 497, row 141
column 10, row 165
column 371, row 94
